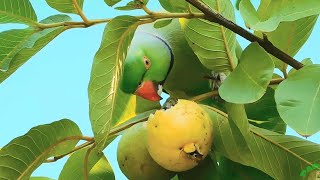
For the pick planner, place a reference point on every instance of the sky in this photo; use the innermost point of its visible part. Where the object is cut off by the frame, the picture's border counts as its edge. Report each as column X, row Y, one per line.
column 52, row 85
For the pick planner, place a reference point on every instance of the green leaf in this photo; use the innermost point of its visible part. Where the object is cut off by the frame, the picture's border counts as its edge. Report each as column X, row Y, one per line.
column 111, row 2
column 17, row 53
column 98, row 166
column 213, row 44
column 238, row 50
column 20, row 157
column 249, row 81
column 13, row 41
column 265, row 113
column 108, row 104
column 205, row 170
column 65, row 6
column 174, row 5
column 162, row 23
column 233, row 170
column 175, row 177
column 279, row 156
column 17, row 11
column 305, row 62
column 290, row 37
column 237, row 4
column 40, row 178
column 298, row 100
column 132, row 5
column 276, row 12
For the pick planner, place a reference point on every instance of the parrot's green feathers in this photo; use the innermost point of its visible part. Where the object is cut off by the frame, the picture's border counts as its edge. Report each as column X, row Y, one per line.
column 183, row 78
column 148, row 59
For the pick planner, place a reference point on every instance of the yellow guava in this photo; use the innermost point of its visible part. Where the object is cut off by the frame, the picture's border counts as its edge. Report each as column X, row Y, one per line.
column 134, row 159
column 180, row 137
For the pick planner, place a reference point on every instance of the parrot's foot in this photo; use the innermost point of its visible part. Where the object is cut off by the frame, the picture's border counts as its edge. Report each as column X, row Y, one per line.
column 216, row 79
column 170, row 102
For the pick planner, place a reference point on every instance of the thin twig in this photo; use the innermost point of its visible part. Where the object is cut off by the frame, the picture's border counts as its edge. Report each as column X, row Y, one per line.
column 116, row 130
column 189, row 9
column 267, row 45
column 81, row 14
column 284, row 71
column 204, row 96
column 86, row 159
column 146, row 9
column 154, row 16
column 276, row 81
column 56, row 158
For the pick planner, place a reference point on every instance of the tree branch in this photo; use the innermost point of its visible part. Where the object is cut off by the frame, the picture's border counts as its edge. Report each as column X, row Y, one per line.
column 81, row 14
column 154, row 16
column 276, row 81
column 267, row 45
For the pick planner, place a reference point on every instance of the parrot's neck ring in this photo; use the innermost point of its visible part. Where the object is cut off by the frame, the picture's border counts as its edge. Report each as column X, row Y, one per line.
column 171, row 54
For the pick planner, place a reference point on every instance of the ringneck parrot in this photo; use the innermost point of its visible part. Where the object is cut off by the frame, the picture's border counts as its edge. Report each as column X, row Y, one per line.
column 162, row 58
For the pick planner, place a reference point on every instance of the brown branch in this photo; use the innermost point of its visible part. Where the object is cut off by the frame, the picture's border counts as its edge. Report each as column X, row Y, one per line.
column 276, row 81
column 267, row 45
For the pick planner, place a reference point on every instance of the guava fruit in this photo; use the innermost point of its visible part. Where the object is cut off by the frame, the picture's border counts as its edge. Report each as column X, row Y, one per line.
column 134, row 159
column 180, row 137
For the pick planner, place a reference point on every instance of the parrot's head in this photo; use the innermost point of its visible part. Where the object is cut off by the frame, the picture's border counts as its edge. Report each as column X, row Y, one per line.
column 147, row 64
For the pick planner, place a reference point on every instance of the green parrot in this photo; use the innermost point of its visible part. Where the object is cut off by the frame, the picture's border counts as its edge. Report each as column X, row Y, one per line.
column 162, row 59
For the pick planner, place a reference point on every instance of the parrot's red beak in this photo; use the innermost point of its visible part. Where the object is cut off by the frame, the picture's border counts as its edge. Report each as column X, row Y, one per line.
column 148, row 90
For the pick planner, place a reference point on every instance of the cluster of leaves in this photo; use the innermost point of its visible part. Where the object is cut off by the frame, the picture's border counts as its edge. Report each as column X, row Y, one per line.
column 261, row 145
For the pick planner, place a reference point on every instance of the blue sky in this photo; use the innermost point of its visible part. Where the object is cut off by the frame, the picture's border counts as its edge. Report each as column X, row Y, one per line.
column 53, row 84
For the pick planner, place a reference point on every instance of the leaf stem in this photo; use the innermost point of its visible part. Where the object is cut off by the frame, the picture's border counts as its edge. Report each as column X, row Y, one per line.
column 189, row 9
column 86, row 159
column 284, row 71
column 146, row 9
column 267, row 45
column 81, row 14
column 56, row 158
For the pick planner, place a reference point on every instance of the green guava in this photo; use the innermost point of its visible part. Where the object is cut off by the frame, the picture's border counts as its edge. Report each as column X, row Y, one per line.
column 134, row 159
column 180, row 137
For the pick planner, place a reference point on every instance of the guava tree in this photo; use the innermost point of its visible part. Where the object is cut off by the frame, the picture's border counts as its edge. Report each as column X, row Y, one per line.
column 227, row 113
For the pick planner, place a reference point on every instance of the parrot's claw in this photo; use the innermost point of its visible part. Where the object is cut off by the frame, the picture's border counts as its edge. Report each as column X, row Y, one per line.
column 217, row 79
column 170, row 102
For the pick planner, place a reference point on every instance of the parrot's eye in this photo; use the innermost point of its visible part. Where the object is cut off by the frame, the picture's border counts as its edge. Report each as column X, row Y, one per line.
column 147, row 62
